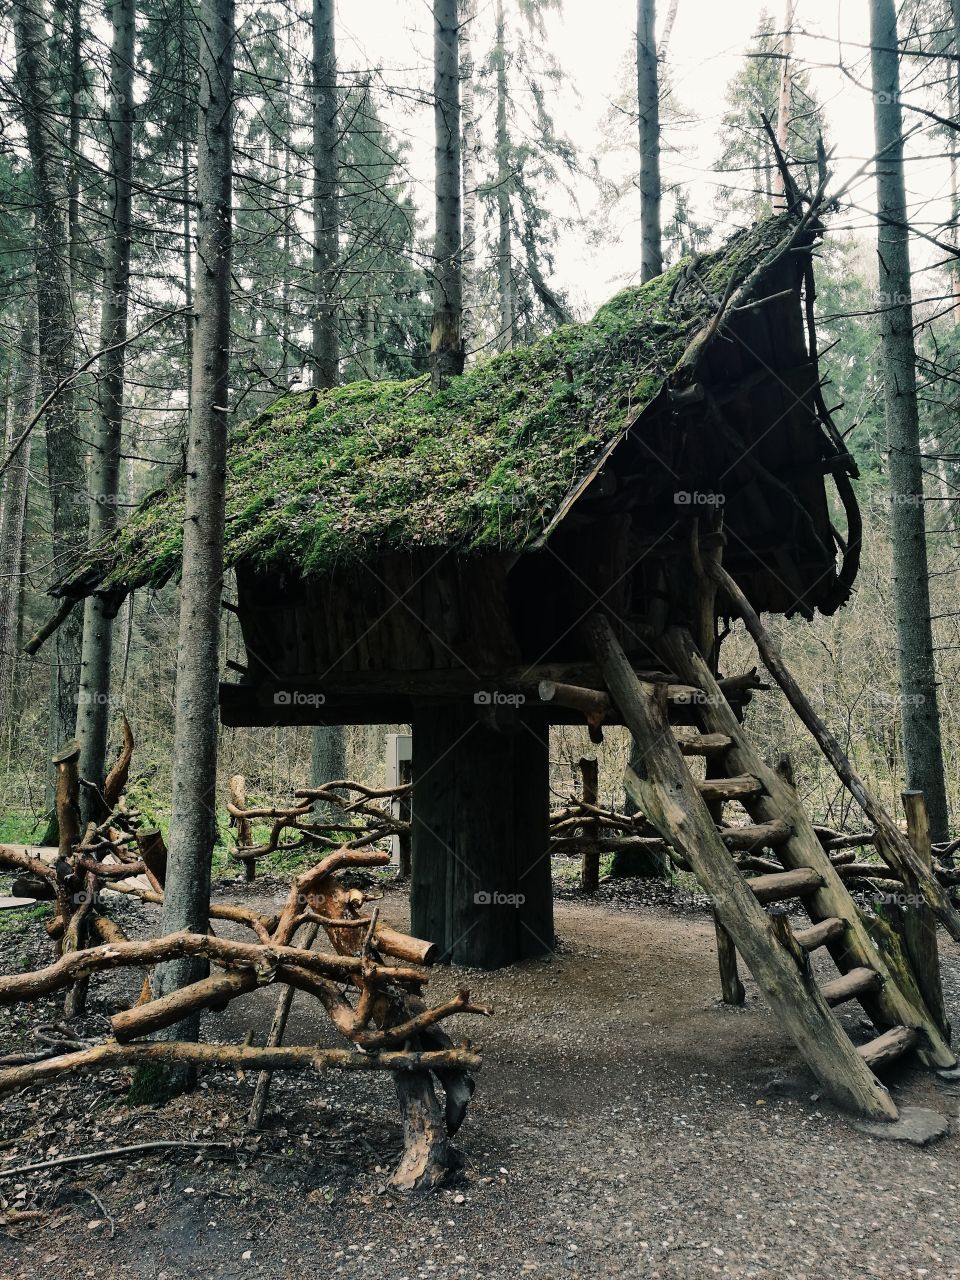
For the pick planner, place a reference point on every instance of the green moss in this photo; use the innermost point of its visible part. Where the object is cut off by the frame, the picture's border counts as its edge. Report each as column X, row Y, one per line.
column 323, row 477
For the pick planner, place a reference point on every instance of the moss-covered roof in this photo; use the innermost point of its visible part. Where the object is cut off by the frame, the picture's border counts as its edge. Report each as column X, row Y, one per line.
column 320, row 477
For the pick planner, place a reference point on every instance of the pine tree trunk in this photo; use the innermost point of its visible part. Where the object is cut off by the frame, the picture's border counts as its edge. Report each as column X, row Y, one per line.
column 668, row 30
column 505, row 285
column 326, row 204
column 648, row 104
column 784, row 102
column 57, row 349
column 194, row 764
column 446, row 345
column 93, row 709
column 921, row 721
column 327, row 751
column 23, row 402
column 467, row 11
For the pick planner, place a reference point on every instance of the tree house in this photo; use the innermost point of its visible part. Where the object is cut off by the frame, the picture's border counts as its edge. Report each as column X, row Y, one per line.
column 405, row 555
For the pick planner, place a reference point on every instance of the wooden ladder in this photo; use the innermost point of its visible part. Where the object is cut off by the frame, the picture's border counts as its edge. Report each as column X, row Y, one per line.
column 679, row 806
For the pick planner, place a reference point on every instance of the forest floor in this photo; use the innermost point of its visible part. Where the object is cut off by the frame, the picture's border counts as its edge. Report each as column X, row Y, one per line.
column 625, row 1124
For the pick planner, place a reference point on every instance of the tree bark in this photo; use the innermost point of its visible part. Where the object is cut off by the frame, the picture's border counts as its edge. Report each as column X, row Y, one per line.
column 467, row 12
column 667, row 30
column 505, row 284
column 783, row 102
column 93, row 707
column 57, row 349
column 648, row 105
column 23, row 403
column 193, row 802
column 918, row 686
column 328, row 748
column 446, row 345
column 326, row 204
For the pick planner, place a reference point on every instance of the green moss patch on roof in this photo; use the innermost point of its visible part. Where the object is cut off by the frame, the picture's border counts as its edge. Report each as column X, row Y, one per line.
column 321, row 477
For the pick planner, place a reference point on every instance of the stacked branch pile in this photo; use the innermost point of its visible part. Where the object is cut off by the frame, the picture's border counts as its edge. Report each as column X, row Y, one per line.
column 369, row 983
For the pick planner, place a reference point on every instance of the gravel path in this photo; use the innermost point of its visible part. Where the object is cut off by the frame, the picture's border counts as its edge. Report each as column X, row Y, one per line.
column 625, row 1124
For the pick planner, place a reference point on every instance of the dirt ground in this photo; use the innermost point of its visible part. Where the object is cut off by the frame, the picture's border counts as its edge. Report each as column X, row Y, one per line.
column 625, row 1124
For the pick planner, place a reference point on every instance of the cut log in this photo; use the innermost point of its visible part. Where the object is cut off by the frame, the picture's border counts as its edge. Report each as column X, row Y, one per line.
column 703, row 744
column 739, row 788
column 763, row 835
column 782, row 885
column 850, row 986
column 819, row 934
column 885, row 1049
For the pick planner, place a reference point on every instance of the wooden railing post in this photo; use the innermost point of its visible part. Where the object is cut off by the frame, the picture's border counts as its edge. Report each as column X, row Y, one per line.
column 590, row 868
column 919, row 920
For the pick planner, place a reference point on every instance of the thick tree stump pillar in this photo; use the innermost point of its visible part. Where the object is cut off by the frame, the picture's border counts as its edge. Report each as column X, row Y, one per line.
column 481, row 887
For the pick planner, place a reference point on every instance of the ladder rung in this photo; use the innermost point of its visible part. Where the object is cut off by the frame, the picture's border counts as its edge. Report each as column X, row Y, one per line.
column 821, row 932
column 764, row 834
column 729, row 788
column 893, row 1044
column 704, row 744
column 781, row 885
column 850, row 986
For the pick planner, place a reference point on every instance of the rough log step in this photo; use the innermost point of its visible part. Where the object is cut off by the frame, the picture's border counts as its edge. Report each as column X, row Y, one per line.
column 850, row 986
column 893, row 1044
column 820, row 933
column 729, row 788
column 785, row 884
column 762, row 835
column 704, row 744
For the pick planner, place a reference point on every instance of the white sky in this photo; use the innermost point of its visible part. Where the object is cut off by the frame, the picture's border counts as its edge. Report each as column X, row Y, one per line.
column 591, row 40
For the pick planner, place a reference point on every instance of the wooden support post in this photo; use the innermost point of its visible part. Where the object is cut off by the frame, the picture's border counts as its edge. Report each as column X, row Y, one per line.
column 732, row 990
column 480, row 887
column 405, row 838
column 590, row 867
column 920, row 923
